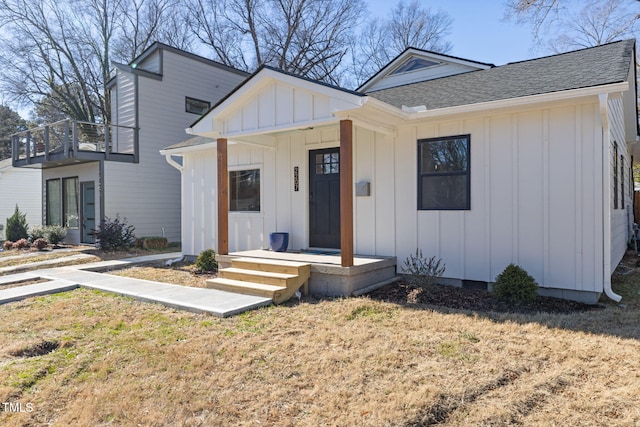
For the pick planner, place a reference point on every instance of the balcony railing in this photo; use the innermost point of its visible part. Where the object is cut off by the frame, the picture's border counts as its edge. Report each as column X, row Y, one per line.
column 70, row 139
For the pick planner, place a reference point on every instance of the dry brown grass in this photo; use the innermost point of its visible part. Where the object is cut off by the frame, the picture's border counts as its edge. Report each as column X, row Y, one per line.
column 179, row 274
column 343, row 362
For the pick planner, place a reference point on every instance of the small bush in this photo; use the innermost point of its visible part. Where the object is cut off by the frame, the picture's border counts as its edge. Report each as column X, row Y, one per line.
column 20, row 244
column 423, row 271
column 17, row 227
column 54, row 234
column 113, row 235
column 514, row 284
column 206, row 261
column 8, row 245
column 36, row 232
column 40, row 244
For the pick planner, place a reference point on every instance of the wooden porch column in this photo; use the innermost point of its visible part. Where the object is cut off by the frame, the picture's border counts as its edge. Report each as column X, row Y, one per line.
column 346, row 192
column 223, row 197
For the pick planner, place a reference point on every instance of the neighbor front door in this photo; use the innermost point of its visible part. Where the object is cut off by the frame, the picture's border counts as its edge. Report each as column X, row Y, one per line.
column 88, row 193
column 324, row 198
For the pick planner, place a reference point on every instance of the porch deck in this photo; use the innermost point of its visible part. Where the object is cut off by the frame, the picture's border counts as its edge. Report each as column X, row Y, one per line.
column 328, row 277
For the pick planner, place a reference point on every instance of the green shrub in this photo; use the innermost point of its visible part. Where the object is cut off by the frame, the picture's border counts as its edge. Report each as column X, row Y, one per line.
column 54, row 234
column 206, row 261
column 40, row 244
column 20, row 244
column 514, row 284
column 113, row 235
column 423, row 271
column 17, row 226
column 36, row 232
column 7, row 245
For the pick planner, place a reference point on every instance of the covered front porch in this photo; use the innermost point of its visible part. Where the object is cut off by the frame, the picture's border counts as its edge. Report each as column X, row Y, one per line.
column 285, row 154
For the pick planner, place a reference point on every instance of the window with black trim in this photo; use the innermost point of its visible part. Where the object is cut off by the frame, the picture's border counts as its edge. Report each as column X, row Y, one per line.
column 62, row 202
column 196, row 106
column 444, row 179
column 244, row 190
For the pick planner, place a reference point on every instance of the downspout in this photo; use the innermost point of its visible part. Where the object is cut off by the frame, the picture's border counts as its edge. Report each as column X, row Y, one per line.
column 169, row 159
column 606, row 199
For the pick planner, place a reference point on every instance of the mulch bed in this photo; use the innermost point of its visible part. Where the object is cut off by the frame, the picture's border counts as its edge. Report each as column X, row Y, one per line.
column 401, row 292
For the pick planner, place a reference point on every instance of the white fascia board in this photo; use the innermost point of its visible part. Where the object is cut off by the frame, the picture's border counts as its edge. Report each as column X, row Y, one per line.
column 180, row 151
column 523, row 101
column 281, row 128
column 387, row 69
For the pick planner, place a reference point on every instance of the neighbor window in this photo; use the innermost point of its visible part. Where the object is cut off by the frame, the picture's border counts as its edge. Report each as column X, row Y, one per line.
column 443, row 173
column 244, row 190
column 196, row 106
column 62, row 202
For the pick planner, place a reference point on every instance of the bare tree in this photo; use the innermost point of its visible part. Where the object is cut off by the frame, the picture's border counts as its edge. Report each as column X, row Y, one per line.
column 409, row 25
column 307, row 37
column 10, row 123
column 62, row 49
column 562, row 27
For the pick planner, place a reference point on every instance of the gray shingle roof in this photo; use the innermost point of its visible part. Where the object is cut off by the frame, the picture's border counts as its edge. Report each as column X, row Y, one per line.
column 584, row 68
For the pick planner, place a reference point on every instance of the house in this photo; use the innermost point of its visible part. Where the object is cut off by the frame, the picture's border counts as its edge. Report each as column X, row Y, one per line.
column 19, row 186
column 92, row 171
column 481, row 166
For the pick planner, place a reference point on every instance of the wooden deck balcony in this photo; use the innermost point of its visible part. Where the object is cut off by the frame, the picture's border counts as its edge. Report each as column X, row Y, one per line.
column 69, row 142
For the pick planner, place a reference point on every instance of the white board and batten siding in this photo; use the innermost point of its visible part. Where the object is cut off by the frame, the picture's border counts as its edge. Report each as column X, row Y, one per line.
column 148, row 193
column 279, row 105
column 536, row 195
column 22, row 187
column 535, row 199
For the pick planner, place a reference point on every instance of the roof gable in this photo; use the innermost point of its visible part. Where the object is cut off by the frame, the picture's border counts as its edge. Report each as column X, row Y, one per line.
column 272, row 100
column 150, row 60
column 591, row 67
column 415, row 65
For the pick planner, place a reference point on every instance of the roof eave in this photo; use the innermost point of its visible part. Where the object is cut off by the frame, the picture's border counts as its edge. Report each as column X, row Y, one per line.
column 521, row 101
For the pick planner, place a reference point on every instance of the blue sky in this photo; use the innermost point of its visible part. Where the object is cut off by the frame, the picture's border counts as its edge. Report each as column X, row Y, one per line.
column 479, row 31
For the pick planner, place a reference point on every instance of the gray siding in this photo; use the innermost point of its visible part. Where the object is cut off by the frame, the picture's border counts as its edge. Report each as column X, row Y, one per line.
column 148, row 193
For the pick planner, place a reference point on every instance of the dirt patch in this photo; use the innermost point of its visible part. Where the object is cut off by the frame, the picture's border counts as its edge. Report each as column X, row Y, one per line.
column 39, row 349
column 401, row 292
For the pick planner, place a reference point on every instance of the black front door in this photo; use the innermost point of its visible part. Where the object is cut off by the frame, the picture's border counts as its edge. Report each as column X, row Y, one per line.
column 324, row 198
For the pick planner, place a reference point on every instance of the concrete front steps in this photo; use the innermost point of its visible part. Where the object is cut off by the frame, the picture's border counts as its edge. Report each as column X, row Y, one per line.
column 275, row 279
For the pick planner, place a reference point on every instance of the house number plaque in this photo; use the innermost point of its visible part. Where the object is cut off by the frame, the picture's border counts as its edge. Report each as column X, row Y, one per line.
column 296, row 179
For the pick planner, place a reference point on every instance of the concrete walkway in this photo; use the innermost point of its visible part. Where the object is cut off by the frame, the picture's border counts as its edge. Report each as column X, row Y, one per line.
column 62, row 279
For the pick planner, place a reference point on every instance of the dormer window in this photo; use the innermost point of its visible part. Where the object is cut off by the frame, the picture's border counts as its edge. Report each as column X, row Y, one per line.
column 414, row 64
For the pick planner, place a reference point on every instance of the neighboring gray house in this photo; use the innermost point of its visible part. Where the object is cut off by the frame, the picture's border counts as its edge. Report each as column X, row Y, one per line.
column 153, row 99
column 19, row 186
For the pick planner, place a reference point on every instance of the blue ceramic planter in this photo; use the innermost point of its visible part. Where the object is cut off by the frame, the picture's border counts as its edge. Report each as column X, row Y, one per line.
column 279, row 242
